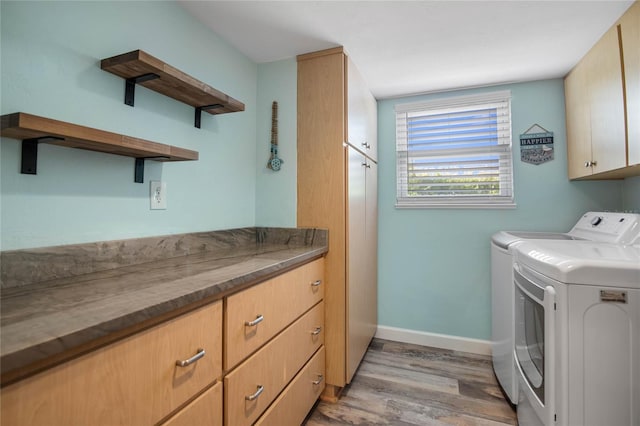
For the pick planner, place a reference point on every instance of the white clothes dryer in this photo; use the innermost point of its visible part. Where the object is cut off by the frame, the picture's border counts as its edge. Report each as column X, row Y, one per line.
column 577, row 330
column 619, row 228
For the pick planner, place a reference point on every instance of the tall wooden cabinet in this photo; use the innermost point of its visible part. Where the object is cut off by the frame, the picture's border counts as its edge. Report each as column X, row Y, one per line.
column 337, row 190
column 602, row 98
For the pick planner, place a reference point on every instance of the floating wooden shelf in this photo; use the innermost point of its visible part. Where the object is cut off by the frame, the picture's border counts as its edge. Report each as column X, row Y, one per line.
column 32, row 129
column 138, row 67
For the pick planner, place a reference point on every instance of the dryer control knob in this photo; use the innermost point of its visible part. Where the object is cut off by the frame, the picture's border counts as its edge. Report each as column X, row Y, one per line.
column 596, row 220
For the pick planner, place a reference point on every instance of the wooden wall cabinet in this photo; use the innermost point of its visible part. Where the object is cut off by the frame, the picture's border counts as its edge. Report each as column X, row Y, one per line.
column 602, row 141
column 630, row 36
column 337, row 189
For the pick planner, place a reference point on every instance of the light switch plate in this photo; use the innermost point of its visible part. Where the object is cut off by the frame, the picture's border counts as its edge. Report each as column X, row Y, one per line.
column 158, row 195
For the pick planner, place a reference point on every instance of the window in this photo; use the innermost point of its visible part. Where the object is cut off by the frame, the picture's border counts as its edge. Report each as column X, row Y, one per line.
column 455, row 152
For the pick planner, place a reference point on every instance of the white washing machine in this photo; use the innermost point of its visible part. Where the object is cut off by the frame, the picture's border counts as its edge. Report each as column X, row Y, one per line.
column 577, row 329
column 619, row 228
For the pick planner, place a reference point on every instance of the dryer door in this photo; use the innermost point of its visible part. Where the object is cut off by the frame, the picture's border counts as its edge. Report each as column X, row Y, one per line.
column 534, row 344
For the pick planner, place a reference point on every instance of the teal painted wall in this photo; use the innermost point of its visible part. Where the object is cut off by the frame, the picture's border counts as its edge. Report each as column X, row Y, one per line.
column 50, row 54
column 434, row 264
column 276, row 191
column 631, row 194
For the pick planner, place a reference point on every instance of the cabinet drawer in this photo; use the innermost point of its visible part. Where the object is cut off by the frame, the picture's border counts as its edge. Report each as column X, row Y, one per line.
column 278, row 302
column 205, row 410
column 295, row 402
column 271, row 369
column 133, row 381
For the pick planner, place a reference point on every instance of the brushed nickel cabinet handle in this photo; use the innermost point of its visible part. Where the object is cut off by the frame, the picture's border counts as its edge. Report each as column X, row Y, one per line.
column 320, row 379
column 256, row 394
column 316, row 283
column 197, row 356
column 587, row 163
column 256, row 321
column 316, row 331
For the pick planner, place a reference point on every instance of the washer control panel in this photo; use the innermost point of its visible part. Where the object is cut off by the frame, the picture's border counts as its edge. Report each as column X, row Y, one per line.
column 619, row 228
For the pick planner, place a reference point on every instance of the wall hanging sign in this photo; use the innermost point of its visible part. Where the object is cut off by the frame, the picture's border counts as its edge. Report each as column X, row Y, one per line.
column 536, row 145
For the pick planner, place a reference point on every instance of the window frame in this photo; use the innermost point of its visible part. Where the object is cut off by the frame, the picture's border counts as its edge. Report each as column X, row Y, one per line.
column 504, row 149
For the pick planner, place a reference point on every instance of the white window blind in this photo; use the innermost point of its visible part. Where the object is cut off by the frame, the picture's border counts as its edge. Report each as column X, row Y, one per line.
column 455, row 152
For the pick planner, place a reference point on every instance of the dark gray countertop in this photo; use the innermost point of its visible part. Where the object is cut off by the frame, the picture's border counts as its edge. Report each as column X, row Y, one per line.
column 45, row 320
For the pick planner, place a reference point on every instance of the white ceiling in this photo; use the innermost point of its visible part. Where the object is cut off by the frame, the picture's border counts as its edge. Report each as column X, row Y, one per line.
column 411, row 47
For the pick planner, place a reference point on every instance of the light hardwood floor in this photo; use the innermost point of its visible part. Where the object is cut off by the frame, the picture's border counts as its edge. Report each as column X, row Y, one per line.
column 404, row 384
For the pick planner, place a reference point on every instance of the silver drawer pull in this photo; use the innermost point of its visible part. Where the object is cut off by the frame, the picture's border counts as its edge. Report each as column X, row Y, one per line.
column 191, row 360
column 320, row 379
column 316, row 331
column 255, row 395
column 316, row 283
column 256, row 321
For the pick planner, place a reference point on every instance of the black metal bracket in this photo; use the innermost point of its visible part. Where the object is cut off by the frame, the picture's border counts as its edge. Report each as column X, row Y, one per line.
column 138, row 171
column 130, row 86
column 29, row 162
column 204, row 108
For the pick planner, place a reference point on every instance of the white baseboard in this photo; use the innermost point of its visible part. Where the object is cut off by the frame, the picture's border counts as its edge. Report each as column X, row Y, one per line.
column 442, row 341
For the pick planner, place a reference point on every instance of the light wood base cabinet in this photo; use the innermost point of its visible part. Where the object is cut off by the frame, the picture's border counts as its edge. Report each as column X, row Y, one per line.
column 271, row 306
column 205, row 410
column 250, row 388
column 132, row 382
column 136, row 381
column 295, row 402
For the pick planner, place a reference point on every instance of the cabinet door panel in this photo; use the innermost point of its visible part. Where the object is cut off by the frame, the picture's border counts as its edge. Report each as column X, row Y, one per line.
column 278, row 301
column 371, row 238
column 607, row 104
column 295, row 402
column 135, row 381
column 204, row 410
column 361, row 113
column 362, row 261
column 578, row 115
column 271, row 368
column 630, row 31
